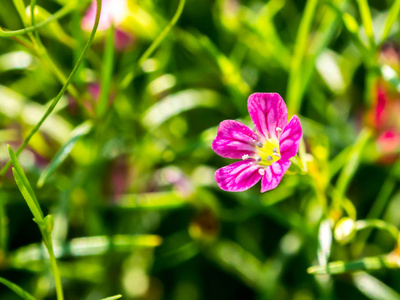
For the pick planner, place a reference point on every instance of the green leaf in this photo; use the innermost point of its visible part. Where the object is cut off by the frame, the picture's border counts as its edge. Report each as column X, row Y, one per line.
column 367, row 21
column 62, row 154
column 177, row 103
column 86, row 246
column 156, row 201
column 391, row 18
column 112, row 297
column 374, row 288
column 365, row 264
column 25, row 187
column 16, row 289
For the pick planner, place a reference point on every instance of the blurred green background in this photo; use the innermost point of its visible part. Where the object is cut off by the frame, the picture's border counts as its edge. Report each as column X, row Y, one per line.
column 124, row 165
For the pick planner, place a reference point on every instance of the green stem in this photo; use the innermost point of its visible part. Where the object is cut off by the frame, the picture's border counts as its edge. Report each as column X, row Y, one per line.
column 379, row 224
column 367, row 22
column 59, row 14
column 391, row 18
column 61, row 93
column 54, row 268
column 301, row 45
column 129, row 77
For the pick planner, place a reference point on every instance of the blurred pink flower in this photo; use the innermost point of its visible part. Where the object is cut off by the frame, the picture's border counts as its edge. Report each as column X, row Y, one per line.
column 113, row 12
column 383, row 115
column 265, row 151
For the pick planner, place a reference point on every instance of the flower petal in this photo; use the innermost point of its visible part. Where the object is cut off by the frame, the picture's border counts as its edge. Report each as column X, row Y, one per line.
column 268, row 111
column 234, row 140
column 290, row 139
column 273, row 175
column 238, row 176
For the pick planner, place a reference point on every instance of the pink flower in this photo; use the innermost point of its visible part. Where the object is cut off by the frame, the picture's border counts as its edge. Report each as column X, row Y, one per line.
column 265, row 151
column 113, row 12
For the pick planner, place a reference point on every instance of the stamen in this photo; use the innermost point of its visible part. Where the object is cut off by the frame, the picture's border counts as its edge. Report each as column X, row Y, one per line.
column 275, row 150
column 245, row 156
column 277, row 154
column 261, row 172
column 259, row 144
column 257, row 158
column 278, row 129
column 269, row 158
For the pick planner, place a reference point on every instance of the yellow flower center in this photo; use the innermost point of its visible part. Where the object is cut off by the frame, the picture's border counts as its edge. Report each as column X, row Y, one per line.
column 268, row 152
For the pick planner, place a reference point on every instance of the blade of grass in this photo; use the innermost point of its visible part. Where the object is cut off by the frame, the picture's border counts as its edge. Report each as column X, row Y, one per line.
column 374, row 288
column 300, row 48
column 69, row 7
column 351, row 166
column 25, row 188
column 391, row 18
column 365, row 264
column 45, row 224
column 367, row 22
column 61, row 93
column 112, row 297
column 16, row 289
column 62, row 154
column 129, row 77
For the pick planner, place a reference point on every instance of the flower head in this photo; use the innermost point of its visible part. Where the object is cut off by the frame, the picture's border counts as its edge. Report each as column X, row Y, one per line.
column 265, row 151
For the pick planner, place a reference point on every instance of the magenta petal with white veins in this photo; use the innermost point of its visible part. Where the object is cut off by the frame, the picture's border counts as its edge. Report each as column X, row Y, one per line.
column 268, row 112
column 273, row 175
column 234, row 140
column 290, row 139
column 238, row 176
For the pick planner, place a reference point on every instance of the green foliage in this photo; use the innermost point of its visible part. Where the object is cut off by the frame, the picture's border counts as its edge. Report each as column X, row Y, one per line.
column 114, row 122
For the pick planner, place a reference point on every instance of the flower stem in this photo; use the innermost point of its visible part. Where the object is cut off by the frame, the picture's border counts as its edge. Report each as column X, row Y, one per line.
column 61, row 93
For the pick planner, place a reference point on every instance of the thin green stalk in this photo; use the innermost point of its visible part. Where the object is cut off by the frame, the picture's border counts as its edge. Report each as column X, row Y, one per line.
column 129, row 77
column 378, row 206
column 379, row 224
column 3, row 225
column 59, row 14
column 350, row 168
column 391, row 18
column 61, row 93
column 367, row 22
column 301, row 45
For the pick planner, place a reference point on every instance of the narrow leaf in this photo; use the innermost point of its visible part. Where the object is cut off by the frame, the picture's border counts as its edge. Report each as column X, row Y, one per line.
column 16, row 289
column 112, row 297
column 374, row 288
column 62, row 154
column 25, row 187
column 365, row 264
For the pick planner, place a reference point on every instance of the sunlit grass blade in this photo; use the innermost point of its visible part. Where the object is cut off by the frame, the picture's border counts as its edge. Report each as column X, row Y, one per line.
column 367, row 21
column 62, row 154
column 152, row 201
column 25, row 188
column 390, row 20
column 301, row 44
column 233, row 258
column 374, row 288
column 129, row 77
column 86, row 246
column 106, row 73
column 59, row 14
column 365, row 264
column 352, row 164
column 174, row 104
column 112, row 297
column 16, row 289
